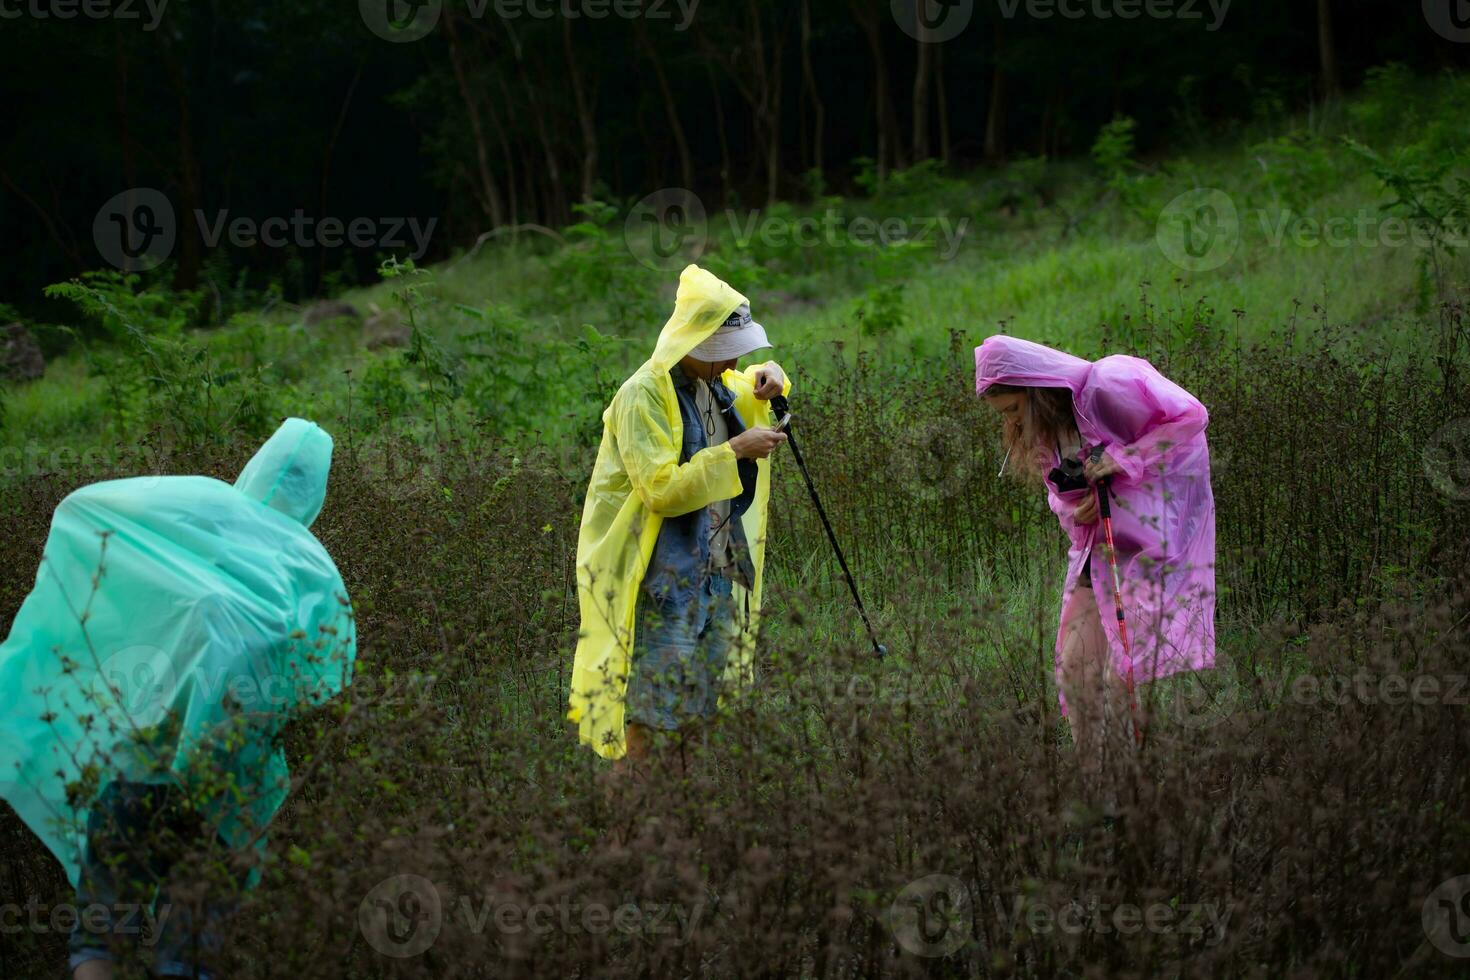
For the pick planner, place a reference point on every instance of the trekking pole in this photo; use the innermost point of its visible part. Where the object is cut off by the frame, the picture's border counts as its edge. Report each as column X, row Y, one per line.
column 1105, row 510
column 782, row 409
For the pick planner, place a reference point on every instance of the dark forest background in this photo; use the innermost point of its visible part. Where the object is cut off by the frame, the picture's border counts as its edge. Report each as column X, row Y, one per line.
column 267, row 107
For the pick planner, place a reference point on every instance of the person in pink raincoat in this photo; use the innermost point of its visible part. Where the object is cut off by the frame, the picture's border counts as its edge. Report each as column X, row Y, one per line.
column 1123, row 421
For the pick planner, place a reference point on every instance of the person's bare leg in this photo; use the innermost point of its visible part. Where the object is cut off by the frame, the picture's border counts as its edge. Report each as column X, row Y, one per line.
column 1091, row 687
column 639, row 742
column 93, row 970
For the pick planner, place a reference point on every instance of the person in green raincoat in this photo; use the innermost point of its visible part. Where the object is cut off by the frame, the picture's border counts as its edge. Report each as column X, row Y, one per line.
column 176, row 625
column 672, row 543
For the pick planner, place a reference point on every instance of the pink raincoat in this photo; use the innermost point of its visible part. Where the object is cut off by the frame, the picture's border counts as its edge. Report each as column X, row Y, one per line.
column 1163, row 511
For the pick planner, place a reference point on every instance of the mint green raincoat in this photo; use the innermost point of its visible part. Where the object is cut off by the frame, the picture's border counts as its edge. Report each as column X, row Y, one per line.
column 177, row 623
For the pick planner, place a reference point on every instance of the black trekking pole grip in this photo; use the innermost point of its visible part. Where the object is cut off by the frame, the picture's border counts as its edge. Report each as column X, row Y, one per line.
column 1104, row 491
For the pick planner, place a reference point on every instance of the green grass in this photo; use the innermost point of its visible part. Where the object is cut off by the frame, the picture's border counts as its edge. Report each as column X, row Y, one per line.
column 1023, row 270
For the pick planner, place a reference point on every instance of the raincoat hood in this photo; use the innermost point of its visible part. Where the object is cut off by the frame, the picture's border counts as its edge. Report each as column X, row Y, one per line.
column 1012, row 361
column 289, row 472
column 703, row 303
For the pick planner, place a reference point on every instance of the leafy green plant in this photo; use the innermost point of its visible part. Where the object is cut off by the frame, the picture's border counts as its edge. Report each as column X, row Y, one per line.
column 156, row 373
column 1432, row 198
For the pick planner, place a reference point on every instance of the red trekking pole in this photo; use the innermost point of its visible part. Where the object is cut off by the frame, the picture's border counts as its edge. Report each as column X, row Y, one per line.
column 1105, row 511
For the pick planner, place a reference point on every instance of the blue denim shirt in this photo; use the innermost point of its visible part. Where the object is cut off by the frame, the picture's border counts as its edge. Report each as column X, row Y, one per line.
column 680, row 562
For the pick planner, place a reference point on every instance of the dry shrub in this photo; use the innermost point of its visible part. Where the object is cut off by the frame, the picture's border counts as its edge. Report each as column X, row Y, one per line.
column 1291, row 812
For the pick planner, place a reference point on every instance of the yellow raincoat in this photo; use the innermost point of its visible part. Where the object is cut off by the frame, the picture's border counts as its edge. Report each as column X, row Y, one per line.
column 636, row 483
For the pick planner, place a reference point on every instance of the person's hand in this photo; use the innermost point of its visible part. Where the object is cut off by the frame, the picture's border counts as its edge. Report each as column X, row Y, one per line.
column 756, row 443
column 769, row 382
column 1086, row 512
column 1104, row 467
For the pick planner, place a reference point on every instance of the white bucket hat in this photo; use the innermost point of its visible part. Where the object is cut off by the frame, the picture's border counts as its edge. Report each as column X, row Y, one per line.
column 737, row 336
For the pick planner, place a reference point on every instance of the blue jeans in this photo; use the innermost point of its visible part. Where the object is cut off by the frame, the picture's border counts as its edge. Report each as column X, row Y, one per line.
column 679, row 654
column 136, row 833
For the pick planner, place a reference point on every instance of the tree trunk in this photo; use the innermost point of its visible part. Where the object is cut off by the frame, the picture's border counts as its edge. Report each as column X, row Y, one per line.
column 507, row 150
column 1327, row 48
column 191, row 194
column 758, row 78
column 556, row 211
column 922, row 72
column 995, row 124
column 124, row 130
column 813, row 93
column 321, row 264
column 671, row 105
column 584, row 114
column 724, row 135
column 890, row 148
column 489, row 191
column 946, row 146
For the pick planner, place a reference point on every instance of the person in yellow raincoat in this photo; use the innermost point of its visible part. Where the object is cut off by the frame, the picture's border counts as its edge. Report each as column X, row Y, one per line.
column 672, row 545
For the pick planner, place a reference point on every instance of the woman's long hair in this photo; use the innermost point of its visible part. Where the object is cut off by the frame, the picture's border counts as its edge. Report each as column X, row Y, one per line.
column 1045, row 422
